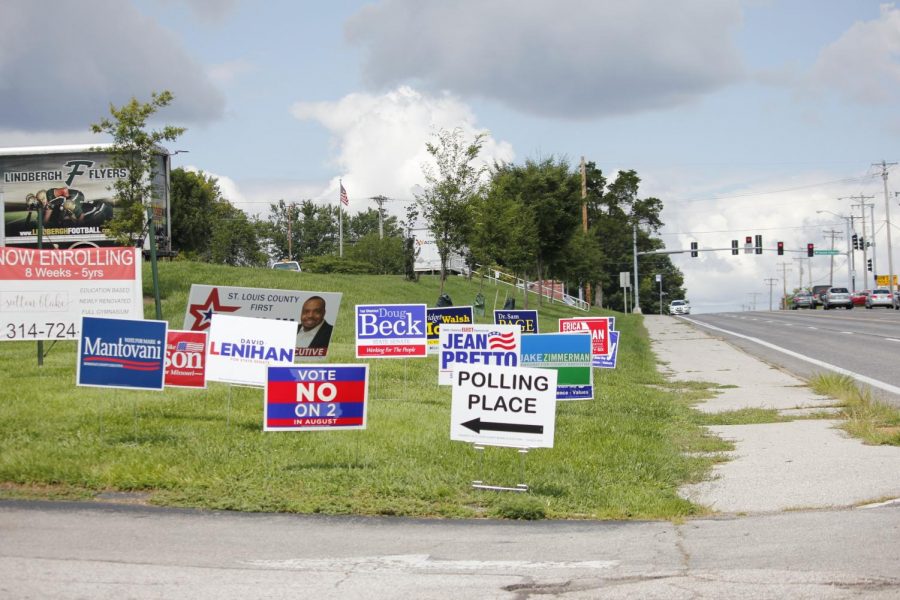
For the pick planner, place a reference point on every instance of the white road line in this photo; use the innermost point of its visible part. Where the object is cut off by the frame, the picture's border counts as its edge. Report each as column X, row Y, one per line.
column 892, row 339
column 811, row 327
column 863, row 378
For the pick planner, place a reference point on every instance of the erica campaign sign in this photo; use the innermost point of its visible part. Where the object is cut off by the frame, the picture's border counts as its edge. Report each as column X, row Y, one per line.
column 598, row 327
column 390, row 330
column 241, row 348
column 316, row 397
column 121, row 353
column 186, row 359
column 492, row 345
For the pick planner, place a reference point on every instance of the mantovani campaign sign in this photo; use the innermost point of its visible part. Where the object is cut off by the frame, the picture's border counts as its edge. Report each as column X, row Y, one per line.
column 121, row 353
column 316, row 397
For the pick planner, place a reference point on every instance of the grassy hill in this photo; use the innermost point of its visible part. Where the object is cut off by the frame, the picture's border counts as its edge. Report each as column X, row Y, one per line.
column 621, row 455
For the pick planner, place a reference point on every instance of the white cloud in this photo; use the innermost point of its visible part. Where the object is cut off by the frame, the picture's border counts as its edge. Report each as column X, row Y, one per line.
column 63, row 63
column 862, row 65
column 380, row 141
column 569, row 59
column 227, row 72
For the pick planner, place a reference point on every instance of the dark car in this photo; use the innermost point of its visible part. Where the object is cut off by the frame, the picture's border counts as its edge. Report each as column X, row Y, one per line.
column 837, row 297
column 802, row 300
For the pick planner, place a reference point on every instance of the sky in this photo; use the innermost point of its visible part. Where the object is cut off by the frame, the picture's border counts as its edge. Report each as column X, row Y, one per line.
column 744, row 117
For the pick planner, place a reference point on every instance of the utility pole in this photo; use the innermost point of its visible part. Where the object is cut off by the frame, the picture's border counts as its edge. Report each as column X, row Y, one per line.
column 887, row 219
column 380, row 200
column 771, row 283
column 637, row 296
column 753, row 301
column 800, row 265
column 584, row 222
column 872, row 244
column 862, row 210
column 833, row 235
column 290, row 217
column 784, row 271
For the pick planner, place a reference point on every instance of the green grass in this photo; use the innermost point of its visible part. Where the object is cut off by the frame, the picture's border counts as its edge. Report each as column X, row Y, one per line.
column 872, row 421
column 622, row 455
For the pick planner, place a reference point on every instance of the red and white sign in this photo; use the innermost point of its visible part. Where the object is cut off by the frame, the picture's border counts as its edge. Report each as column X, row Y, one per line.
column 598, row 327
column 44, row 293
column 186, row 359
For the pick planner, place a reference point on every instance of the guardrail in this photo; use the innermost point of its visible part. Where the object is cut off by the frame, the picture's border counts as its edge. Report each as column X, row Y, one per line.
column 554, row 294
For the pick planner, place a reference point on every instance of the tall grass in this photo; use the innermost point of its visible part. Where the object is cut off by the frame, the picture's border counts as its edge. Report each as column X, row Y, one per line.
column 622, row 455
column 874, row 422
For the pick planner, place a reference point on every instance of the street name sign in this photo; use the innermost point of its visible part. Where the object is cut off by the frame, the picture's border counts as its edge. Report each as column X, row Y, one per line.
column 826, row 252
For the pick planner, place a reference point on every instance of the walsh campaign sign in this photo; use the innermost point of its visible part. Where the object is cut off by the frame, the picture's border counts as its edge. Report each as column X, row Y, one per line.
column 186, row 359
column 493, row 345
column 453, row 315
column 569, row 354
column 121, row 353
column 242, row 348
column 526, row 319
column 316, row 397
column 390, row 330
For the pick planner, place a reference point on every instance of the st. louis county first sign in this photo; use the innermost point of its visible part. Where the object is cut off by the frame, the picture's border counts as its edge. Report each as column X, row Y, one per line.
column 316, row 397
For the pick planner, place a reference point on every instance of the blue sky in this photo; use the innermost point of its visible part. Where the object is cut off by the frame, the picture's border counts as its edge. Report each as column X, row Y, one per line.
column 743, row 117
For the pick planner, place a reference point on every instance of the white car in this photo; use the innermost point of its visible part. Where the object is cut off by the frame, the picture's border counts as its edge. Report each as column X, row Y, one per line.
column 287, row 265
column 679, row 307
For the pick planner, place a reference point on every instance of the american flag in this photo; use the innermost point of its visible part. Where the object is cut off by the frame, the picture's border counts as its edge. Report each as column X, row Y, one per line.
column 344, row 200
column 189, row 347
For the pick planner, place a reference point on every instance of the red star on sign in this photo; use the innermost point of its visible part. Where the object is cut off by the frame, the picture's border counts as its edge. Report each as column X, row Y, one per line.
column 203, row 313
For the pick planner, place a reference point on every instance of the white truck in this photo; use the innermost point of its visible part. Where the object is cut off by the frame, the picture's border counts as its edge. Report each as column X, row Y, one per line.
column 71, row 188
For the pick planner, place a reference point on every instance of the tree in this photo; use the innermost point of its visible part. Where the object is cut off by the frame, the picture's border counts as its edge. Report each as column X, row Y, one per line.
column 234, row 240
column 194, row 197
column 445, row 202
column 136, row 150
column 313, row 229
column 364, row 223
column 384, row 255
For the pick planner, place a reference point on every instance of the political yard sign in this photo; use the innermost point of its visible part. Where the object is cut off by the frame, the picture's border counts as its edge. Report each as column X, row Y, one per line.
column 491, row 345
column 121, row 353
column 569, row 354
column 526, row 319
column 316, row 397
column 598, row 327
column 609, row 361
column 453, row 315
column 186, row 359
column 242, row 348
column 503, row 406
column 390, row 330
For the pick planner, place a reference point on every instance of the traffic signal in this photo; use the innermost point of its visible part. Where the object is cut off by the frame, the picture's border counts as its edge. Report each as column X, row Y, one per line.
column 758, row 244
column 862, row 244
column 869, row 265
column 748, row 244
column 734, row 247
column 810, row 250
column 780, row 248
column 694, row 249
column 855, row 239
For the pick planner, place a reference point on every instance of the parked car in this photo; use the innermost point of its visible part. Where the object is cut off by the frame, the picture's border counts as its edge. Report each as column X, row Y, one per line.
column 896, row 300
column 287, row 265
column 802, row 300
column 859, row 298
column 880, row 297
column 835, row 297
column 679, row 307
column 817, row 291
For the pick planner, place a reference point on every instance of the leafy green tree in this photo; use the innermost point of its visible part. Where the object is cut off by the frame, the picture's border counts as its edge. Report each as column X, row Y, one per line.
column 135, row 149
column 384, row 255
column 194, row 197
column 234, row 239
column 365, row 223
column 313, row 229
column 444, row 203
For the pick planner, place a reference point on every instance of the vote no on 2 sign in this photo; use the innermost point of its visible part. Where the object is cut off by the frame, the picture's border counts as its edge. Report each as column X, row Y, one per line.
column 504, row 406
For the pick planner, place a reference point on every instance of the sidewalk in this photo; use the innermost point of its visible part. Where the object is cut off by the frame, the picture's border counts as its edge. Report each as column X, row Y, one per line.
column 805, row 464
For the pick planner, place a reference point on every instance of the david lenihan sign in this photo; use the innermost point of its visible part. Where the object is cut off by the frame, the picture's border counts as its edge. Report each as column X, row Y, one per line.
column 316, row 397
column 121, row 353
column 569, row 354
column 241, row 349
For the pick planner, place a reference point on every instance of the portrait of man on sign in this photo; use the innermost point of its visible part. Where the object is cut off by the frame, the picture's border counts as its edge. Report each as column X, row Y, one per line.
column 314, row 330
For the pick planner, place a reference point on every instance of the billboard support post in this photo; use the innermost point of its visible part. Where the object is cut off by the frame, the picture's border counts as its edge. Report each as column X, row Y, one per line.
column 151, row 232
column 40, row 241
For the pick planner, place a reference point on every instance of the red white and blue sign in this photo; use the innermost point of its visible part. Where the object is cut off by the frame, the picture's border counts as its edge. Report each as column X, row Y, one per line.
column 609, row 361
column 390, row 330
column 454, row 315
column 490, row 345
column 526, row 319
column 121, row 353
column 186, row 359
column 316, row 397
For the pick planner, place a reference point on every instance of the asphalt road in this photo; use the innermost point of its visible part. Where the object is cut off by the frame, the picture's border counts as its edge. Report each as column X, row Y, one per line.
column 69, row 550
column 862, row 343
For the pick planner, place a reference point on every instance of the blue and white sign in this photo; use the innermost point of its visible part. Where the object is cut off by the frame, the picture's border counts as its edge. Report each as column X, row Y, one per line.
column 609, row 361
column 241, row 349
column 454, row 315
column 390, row 330
column 569, row 354
column 122, row 353
column 490, row 345
column 526, row 319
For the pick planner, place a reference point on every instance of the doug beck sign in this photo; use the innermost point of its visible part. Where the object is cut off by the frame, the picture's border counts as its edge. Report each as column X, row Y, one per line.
column 316, row 397
column 491, row 345
column 390, row 330
column 121, row 353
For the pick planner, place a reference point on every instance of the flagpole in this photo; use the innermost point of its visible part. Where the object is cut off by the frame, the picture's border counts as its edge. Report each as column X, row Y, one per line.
column 340, row 220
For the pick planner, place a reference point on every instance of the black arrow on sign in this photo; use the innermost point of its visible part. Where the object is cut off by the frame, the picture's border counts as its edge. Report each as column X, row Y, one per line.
column 477, row 425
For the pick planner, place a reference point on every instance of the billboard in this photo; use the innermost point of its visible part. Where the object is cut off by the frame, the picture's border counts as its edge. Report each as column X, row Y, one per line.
column 313, row 313
column 71, row 187
column 44, row 293
column 122, row 353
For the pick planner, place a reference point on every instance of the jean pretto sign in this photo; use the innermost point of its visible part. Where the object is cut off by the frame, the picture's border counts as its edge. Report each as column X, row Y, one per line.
column 453, row 315
column 569, row 354
column 526, row 319
column 44, row 293
column 186, row 359
column 316, row 397
column 491, row 345
column 121, row 353
column 241, row 349
column 501, row 406
column 313, row 313
column 390, row 330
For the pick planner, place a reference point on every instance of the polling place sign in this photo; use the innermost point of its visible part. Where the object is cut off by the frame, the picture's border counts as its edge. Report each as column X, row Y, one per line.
column 186, row 359
column 598, row 327
column 526, row 319
column 499, row 406
column 316, row 397
column 240, row 349
column 453, row 315
column 491, row 345
column 121, row 353
column 44, row 293
column 390, row 330
column 569, row 354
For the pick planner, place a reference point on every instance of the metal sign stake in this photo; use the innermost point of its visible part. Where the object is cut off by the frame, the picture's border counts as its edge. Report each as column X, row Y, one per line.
column 480, row 485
